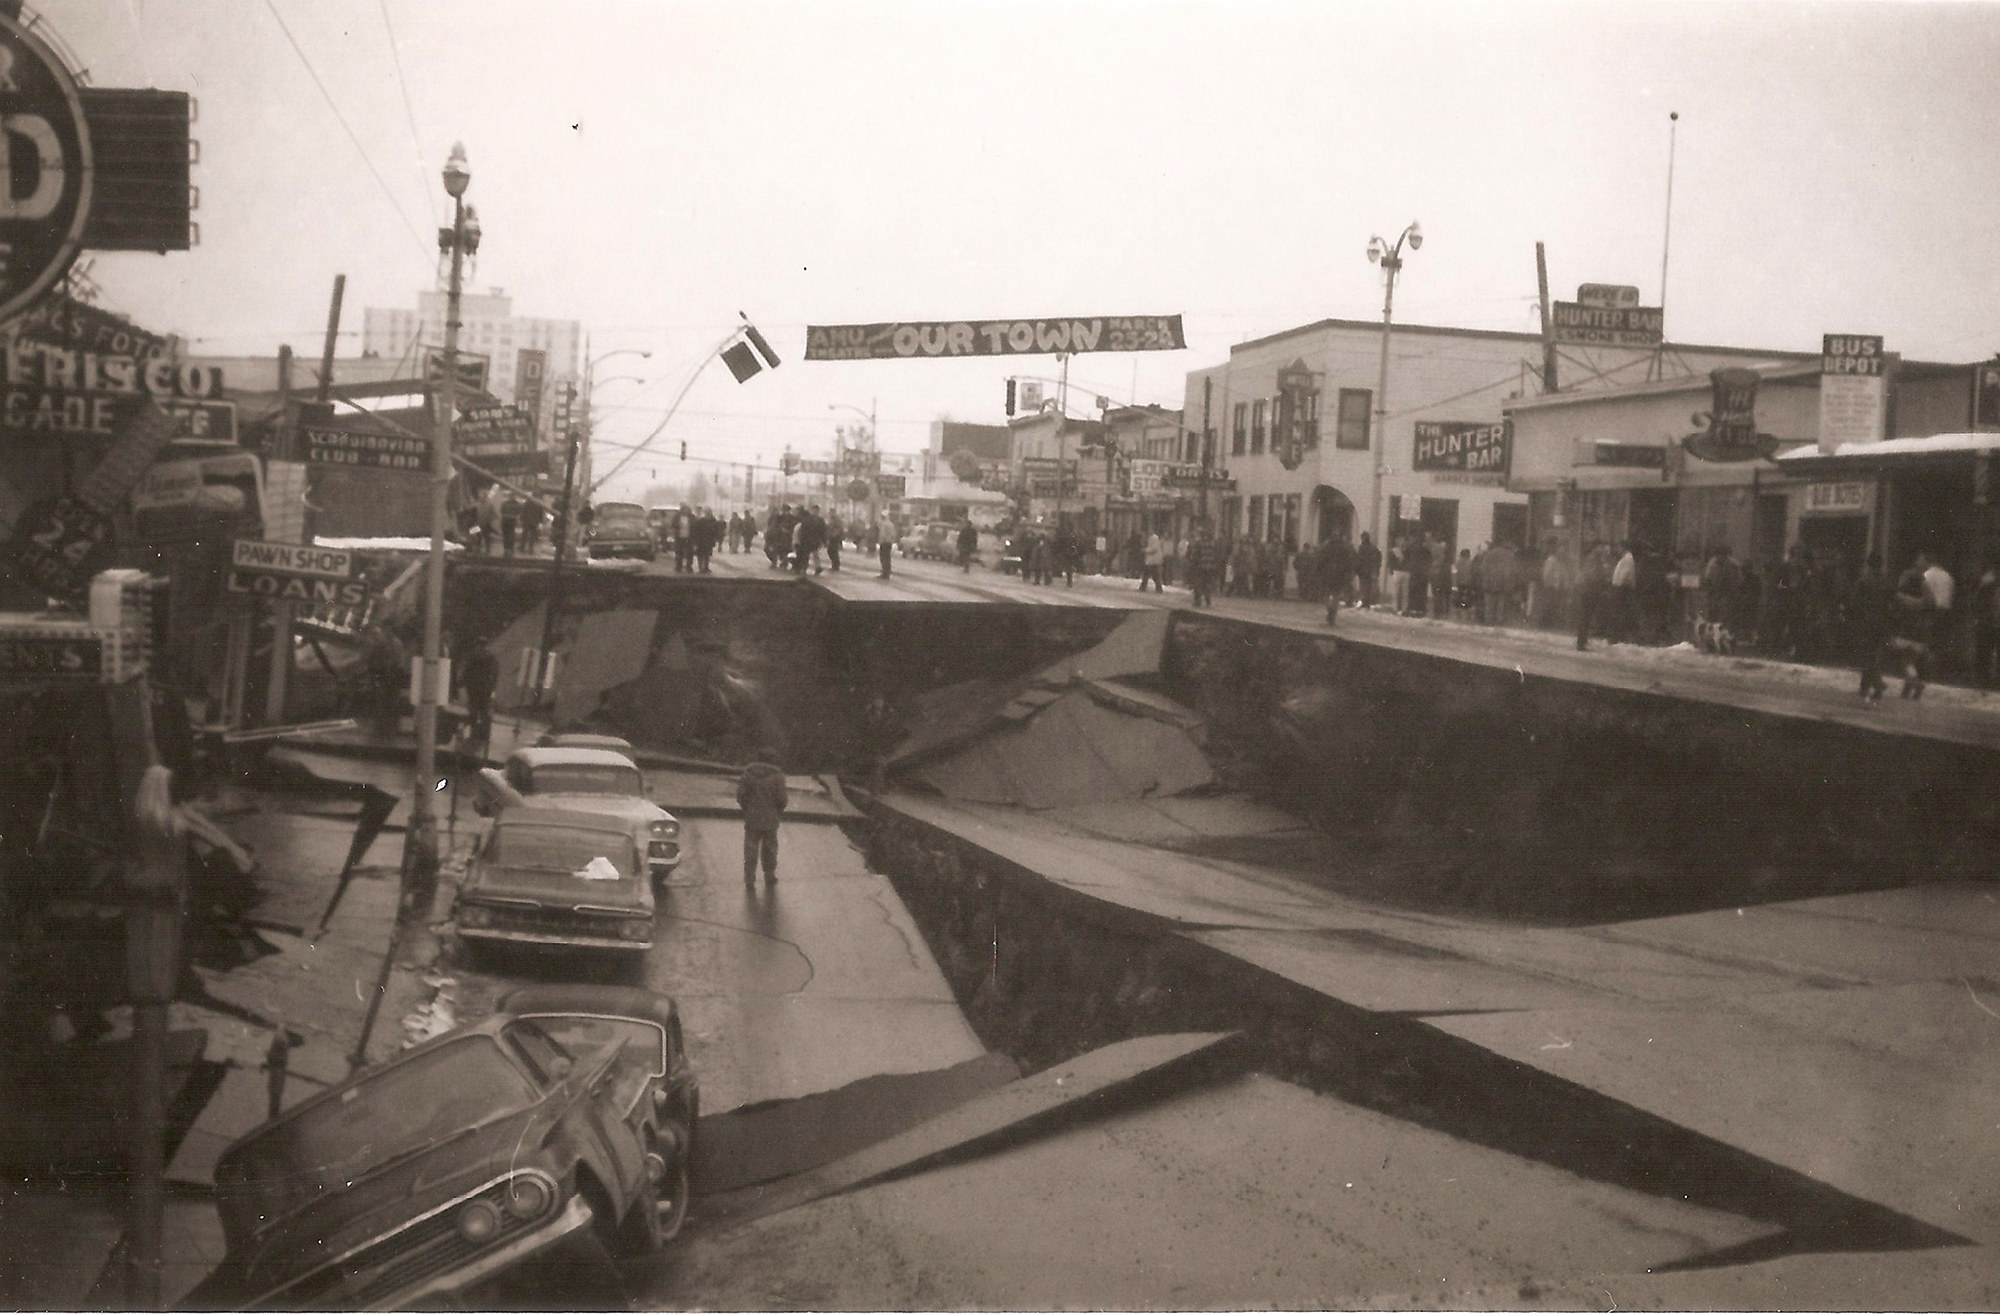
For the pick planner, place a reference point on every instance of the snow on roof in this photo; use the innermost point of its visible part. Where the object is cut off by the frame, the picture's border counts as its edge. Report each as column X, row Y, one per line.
column 381, row 544
column 1935, row 444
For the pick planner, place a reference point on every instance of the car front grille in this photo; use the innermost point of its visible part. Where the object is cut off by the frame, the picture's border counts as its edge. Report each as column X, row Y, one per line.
column 430, row 1246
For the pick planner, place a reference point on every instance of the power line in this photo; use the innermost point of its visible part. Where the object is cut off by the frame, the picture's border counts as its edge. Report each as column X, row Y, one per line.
column 366, row 159
column 409, row 111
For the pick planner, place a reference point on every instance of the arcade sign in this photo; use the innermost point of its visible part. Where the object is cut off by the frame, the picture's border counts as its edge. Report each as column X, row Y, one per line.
column 45, row 166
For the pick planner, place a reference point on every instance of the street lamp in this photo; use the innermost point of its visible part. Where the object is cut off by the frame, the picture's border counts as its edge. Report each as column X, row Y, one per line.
column 420, row 849
column 1391, row 260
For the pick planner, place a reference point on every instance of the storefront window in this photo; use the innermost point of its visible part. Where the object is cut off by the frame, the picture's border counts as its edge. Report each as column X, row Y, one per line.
column 1257, row 426
column 1238, row 432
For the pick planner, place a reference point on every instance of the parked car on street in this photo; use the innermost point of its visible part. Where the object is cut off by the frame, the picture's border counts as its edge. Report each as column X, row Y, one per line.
column 571, row 1110
column 553, row 879
column 621, row 529
column 585, row 778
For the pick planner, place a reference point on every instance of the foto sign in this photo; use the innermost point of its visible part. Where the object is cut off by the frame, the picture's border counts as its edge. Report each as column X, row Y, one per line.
column 45, row 166
column 301, row 559
column 1853, row 389
column 1460, row 445
column 993, row 337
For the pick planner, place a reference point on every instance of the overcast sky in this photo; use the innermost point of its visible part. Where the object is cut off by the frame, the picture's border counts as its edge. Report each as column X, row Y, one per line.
column 651, row 168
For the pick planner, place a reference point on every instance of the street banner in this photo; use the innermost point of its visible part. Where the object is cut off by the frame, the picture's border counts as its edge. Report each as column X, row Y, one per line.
column 1461, row 445
column 931, row 339
column 376, row 451
column 1579, row 324
column 1853, row 389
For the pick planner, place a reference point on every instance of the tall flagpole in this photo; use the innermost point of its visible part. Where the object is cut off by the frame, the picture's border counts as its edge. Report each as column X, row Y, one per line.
column 1666, row 238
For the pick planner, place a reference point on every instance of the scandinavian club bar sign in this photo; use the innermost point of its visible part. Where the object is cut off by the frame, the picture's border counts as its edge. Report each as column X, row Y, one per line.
column 931, row 339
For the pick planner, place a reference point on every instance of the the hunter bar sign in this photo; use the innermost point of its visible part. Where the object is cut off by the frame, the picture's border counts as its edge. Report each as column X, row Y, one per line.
column 993, row 337
column 1460, row 445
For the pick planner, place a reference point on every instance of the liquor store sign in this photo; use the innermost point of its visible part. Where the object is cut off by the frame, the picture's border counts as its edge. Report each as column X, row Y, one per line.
column 295, row 572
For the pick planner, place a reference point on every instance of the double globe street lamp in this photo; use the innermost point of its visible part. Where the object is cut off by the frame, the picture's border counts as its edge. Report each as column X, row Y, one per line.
column 420, row 846
column 1391, row 259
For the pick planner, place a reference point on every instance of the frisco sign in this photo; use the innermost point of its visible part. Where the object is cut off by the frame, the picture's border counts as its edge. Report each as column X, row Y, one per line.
column 47, row 389
column 994, row 337
column 1460, row 445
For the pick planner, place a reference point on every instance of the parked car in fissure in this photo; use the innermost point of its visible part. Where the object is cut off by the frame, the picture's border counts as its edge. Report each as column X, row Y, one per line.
column 572, row 1108
column 554, row 879
column 621, row 529
column 585, row 779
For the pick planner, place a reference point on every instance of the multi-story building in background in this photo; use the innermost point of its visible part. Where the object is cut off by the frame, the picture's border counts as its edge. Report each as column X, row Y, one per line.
column 488, row 327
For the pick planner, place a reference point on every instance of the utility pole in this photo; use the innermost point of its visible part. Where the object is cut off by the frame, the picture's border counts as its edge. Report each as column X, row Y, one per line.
column 420, row 848
column 1391, row 260
column 1548, row 327
column 1207, row 444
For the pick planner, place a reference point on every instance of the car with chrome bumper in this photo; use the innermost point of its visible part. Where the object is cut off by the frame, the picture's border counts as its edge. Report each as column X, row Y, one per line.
column 570, row 1111
column 621, row 529
column 553, row 879
column 584, row 778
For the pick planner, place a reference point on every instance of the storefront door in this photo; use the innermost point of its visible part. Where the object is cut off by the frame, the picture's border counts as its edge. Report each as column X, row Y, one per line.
column 1842, row 539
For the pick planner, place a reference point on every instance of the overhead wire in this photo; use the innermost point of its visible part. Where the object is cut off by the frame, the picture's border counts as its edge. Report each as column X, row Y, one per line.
column 409, row 112
column 333, row 105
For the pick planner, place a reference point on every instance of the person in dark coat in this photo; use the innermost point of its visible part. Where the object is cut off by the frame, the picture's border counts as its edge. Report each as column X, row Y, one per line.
column 1871, row 610
column 478, row 676
column 1367, row 569
column 762, row 795
column 1417, row 560
column 1336, row 570
column 968, row 543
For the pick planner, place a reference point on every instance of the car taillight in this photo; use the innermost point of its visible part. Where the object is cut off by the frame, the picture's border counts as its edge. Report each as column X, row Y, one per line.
column 666, row 830
column 635, row 929
column 527, row 1197
column 479, row 1222
column 471, row 914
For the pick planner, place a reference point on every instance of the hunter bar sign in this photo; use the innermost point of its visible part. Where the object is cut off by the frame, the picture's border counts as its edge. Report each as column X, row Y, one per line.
column 993, row 337
column 1460, row 445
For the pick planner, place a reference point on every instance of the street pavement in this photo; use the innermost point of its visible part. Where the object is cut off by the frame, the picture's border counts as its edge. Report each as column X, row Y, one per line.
column 1853, row 1040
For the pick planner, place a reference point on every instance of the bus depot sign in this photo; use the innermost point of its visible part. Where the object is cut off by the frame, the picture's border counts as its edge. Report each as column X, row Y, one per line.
column 45, row 167
column 1853, row 389
column 295, row 572
column 931, row 339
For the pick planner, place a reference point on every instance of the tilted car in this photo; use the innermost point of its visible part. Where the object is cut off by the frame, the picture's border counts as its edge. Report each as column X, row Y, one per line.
column 620, row 529
column 572, row 1108
column 585, row 779
column 556, row 879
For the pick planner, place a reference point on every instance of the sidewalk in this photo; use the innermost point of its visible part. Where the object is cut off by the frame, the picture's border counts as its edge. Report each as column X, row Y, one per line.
column 1853, row 1040
column 338, row 994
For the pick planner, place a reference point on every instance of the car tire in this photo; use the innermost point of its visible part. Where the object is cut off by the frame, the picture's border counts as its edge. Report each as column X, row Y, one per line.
column 672, row 1196
column 641, row 1237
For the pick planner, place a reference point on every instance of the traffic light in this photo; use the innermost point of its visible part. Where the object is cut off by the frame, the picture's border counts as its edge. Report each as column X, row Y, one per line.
column 684, row 449
column 1010, row 396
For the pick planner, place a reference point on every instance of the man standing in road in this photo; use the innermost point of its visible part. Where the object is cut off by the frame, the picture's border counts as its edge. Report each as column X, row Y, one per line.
column 762, row 795
column 836, row 529
column 1155, row 558
column 1367, row 569
column 885, row 539
column 1593, row 580
column 968, row 543
column 479, row 675
column 1336, row 573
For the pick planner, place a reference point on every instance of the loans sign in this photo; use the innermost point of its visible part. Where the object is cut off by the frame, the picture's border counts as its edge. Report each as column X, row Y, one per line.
column 1460, row 445
column 993, row 337
column 45, row 166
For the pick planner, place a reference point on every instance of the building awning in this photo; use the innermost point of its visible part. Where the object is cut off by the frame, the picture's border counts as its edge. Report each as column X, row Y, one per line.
column 1889, row 454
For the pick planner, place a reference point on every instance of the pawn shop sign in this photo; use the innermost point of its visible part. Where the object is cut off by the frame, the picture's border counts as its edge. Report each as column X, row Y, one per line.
column 45, row 166
column 292, row 572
